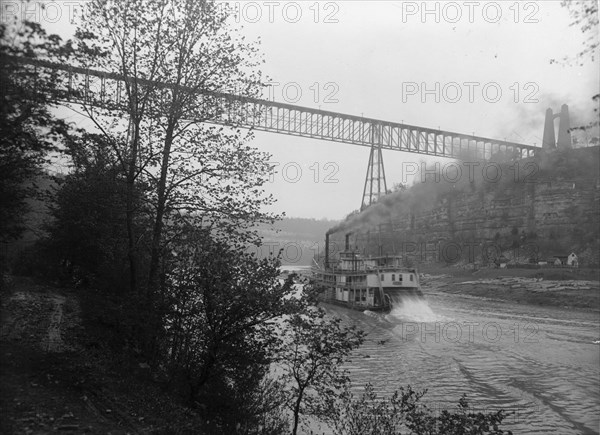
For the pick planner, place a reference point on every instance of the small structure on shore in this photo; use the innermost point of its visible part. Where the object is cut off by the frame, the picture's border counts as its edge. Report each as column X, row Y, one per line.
column 502, row 262
column 566, row 260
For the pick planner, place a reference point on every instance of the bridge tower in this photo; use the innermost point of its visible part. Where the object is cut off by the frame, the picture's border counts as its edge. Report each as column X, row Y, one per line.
column 375, row 184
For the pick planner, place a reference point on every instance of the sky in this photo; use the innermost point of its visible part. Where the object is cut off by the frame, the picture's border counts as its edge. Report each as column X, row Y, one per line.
column 473, row 67
column 384, row 56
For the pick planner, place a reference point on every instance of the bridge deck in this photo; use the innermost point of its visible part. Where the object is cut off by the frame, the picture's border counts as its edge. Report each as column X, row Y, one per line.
column 98, row 88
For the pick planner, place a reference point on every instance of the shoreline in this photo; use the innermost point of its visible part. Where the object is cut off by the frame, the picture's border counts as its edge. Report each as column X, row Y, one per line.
column 561, row 288
column 531, row 289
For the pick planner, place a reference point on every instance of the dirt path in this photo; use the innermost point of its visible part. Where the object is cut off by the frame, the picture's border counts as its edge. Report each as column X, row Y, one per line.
column 36, row 319
column 54, row 342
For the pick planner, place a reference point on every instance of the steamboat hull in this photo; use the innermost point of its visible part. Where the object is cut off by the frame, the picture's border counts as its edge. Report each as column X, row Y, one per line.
column 370, row 299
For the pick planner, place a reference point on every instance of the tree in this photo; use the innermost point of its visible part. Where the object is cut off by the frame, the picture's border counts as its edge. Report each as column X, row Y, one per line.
column 313, row 349
column 220, row 309
column 172, row 53
column 88, row 212
column 29, row 131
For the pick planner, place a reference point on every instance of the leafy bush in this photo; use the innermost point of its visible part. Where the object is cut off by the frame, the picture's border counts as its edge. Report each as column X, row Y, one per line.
column 403, row 412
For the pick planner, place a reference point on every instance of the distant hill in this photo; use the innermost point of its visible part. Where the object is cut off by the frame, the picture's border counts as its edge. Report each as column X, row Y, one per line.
column 300, row 238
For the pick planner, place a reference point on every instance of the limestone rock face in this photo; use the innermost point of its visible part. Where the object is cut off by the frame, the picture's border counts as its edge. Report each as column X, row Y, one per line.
column 543, row 206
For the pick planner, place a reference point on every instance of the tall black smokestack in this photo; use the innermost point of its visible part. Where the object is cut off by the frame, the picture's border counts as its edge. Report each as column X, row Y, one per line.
column 549, row 140
column 326, row 250
column 564, row 136
column 348, row 241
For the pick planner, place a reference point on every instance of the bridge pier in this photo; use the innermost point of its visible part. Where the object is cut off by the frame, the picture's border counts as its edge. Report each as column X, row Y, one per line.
column 375, row 183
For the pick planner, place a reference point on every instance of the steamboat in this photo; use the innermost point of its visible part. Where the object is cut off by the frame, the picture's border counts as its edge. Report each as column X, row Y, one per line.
column 374, row 283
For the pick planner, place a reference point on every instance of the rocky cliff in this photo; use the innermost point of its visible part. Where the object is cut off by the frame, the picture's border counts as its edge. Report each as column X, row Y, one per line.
column 531, row 208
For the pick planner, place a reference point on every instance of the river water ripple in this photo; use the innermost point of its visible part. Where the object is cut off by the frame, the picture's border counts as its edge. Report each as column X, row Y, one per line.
column 539, row 362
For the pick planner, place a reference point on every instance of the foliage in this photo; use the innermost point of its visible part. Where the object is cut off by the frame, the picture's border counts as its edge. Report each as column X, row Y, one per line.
column 28, row 129
column 165, row 199
column 399, row 187
column 585, row 16
column 88, row 211
column 219, row 318
column 186, row 172
column 181, row 49
column 403, row 412
column 248, row 404
column 313, row 349
column 36, row 260
column 370, row 415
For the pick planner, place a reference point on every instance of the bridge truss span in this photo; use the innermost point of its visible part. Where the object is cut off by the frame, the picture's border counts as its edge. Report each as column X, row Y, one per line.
column 104, row 89
column 337, row 127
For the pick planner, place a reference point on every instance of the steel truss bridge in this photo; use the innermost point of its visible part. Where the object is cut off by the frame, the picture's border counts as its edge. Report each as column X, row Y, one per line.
column 105, row 89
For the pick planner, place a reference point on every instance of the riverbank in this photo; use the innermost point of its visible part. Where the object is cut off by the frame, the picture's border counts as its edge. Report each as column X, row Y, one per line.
column 559, row 288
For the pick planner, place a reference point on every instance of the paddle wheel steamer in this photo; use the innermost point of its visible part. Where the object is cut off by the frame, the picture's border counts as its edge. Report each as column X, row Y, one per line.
column 373, row 283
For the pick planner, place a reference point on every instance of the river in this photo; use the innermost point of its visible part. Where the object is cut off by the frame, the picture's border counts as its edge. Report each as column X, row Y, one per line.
column 540, row 363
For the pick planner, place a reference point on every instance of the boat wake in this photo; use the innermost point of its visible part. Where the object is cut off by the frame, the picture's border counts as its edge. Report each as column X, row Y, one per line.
column 370, row 314
column 412, row 308
column 377, row 316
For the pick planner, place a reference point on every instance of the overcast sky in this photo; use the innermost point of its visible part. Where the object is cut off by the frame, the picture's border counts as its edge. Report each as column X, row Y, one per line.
column 372, row 58
column 377, row 52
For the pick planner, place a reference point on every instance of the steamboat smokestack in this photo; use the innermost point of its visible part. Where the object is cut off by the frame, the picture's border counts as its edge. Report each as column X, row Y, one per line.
column 348, row 241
